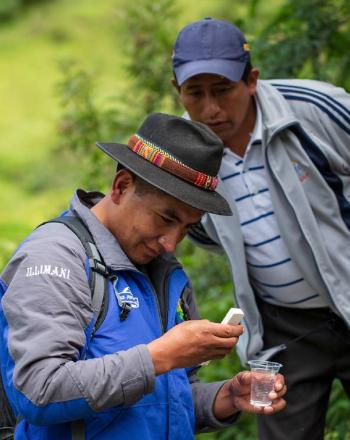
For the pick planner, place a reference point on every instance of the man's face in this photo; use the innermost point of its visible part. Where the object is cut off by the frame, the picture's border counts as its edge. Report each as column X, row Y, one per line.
column 224, row 106
column 151, row 224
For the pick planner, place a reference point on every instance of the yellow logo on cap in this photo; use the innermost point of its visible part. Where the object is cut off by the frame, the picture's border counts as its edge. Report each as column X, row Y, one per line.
column 246, row 47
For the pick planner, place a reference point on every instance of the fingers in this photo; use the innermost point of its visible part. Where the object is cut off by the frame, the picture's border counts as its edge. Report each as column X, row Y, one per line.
column 279, row 383
column 275, row 395
column 224, row 342
column 280, row 388
column 225, row 330
column 222, row 338
column 213, row 328
column 277, row 402
column 275, row 407
column 191, row 343
column 243, row 378
column 241, row 386
column 210, row 335
column 221, row 352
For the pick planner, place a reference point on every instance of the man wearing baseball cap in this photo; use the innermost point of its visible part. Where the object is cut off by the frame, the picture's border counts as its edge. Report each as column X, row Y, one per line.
column 133, row 375
column 286, row 173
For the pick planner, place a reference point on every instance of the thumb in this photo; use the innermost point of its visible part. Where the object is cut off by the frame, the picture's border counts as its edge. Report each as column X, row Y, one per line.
column 243, row 378
column 241, row 382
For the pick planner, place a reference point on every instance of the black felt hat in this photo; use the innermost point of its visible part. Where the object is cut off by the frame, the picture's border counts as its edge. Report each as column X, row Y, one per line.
column 178, row 156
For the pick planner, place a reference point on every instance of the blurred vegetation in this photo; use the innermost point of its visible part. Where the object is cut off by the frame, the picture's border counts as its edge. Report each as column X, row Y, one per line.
column 11, row 8
column 111, row 67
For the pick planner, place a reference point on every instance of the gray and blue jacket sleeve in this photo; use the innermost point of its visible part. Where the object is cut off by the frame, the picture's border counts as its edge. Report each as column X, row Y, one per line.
column 47, row 306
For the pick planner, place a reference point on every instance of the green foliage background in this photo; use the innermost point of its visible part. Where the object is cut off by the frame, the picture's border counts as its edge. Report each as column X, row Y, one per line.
column 72, row 73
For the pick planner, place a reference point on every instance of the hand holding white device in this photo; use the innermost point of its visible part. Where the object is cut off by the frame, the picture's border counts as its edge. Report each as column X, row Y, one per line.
column 233, row 317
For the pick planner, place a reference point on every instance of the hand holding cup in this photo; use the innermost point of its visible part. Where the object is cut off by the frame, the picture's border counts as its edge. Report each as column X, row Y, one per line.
column 235, row 395
column 263, row 380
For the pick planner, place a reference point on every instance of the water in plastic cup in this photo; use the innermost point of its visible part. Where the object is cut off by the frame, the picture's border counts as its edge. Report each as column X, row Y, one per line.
column 263, row 380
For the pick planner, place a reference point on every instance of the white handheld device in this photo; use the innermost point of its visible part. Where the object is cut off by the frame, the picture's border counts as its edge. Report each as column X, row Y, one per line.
column 233, row 317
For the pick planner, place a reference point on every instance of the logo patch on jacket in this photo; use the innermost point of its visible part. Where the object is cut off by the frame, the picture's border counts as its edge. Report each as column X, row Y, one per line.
column 126, row 296
column 302, row 174
column 179, row 311
column 180, row 314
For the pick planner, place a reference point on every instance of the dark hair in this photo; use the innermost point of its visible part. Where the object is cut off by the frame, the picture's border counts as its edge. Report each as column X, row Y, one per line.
column 246, row 72
column 141, row 186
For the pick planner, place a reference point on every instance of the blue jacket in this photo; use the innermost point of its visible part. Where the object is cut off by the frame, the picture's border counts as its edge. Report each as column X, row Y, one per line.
column 54, row 374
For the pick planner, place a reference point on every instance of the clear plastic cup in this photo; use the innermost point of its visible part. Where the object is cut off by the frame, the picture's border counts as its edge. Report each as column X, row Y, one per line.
column 263, row 380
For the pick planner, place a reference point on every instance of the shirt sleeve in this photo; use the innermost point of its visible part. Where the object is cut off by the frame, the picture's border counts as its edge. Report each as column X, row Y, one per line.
column 324, row 111
column 199, row 236
column 47, row 307
column 204, row 395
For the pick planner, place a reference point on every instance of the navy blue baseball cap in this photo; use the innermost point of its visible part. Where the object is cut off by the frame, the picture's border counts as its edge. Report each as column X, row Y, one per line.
column 210, row 46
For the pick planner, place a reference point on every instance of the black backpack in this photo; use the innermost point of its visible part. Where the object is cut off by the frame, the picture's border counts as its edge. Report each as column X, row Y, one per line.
column 98, row 282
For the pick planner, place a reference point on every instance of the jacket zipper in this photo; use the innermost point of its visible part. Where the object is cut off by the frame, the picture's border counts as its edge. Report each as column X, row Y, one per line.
column 165, row 314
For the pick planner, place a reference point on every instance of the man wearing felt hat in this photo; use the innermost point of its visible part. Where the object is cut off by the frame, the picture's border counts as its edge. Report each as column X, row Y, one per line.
column 133, row 375
column 286, row 174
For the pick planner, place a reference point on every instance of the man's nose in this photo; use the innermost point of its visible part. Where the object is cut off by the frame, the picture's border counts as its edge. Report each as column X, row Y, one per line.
column 169, row 241
column 211, row 106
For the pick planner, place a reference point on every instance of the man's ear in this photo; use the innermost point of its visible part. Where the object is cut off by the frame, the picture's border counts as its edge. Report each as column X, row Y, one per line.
column 175, row 84
column 252, row 81
column 123, row 182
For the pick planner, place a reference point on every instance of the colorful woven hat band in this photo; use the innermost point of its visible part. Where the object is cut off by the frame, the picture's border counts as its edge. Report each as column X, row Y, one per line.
column 169, row 163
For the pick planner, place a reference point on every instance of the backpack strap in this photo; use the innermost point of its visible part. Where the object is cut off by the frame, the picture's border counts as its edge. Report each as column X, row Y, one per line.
column 98, row 276
column 8, row 420
column 77, row 430
column 98, row 281
column 7, row 417
column 7, row 433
